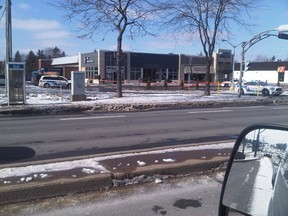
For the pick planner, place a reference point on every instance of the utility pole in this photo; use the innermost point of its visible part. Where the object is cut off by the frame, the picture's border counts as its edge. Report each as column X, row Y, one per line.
column 8, row 32
column 242, row 63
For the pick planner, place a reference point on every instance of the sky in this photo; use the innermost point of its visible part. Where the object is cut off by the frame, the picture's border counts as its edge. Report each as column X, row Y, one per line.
column 37, row 25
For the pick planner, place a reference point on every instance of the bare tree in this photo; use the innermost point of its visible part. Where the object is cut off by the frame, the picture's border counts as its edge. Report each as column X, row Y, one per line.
column 206, row 20
column 261, row 58
column 108, row 16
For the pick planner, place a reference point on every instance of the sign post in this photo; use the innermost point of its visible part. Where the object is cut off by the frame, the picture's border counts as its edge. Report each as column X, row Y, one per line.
column 16, row 83
column 281, row 72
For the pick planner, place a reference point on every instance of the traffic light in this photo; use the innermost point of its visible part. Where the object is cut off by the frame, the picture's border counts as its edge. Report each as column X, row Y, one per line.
column 283, row 36
column 247, row 66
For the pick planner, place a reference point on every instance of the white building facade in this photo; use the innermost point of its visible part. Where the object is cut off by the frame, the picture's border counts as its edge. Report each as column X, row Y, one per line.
column 272, row 72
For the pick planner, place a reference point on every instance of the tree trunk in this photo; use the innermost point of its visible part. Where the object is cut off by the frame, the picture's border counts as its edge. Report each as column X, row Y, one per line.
column 207, row 87
column 118, row 65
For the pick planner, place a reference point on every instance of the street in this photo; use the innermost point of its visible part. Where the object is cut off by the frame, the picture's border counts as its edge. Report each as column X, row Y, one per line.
column 59, row 136
column 190, row 195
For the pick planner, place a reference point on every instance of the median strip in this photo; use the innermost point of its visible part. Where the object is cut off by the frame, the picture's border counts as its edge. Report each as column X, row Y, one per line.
column 97, row 173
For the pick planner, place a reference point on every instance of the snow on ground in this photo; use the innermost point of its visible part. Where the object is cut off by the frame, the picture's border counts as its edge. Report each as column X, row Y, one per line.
column 40, row 96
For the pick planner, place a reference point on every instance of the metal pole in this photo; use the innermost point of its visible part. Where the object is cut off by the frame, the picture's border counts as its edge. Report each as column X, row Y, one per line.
column 241, row 68
column 233, row 62
column 8, row 32
column 8, row 41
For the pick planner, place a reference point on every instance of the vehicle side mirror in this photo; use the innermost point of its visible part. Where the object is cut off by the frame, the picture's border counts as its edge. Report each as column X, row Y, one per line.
column 256, row 179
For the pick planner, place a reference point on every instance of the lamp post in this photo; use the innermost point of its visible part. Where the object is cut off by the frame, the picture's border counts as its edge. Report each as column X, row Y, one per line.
column 282, row 33
column 233, row 60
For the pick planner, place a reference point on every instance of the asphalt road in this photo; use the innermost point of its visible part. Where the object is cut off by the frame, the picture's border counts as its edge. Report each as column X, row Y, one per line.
column 45, row 137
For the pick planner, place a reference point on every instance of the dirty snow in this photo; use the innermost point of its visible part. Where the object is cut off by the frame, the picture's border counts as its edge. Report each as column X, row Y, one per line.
column 37, row 96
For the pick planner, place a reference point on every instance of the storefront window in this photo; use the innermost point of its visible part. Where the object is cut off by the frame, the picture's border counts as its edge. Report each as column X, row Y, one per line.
column 173, row 74
column 135, row 74
column 91, row 72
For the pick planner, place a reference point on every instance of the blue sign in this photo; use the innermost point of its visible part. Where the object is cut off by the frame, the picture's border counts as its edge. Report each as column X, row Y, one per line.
column 16, row 66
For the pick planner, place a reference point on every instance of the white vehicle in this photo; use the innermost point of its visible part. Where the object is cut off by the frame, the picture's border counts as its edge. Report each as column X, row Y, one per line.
column 48, row 81
column 229, row 83
column 259, row 88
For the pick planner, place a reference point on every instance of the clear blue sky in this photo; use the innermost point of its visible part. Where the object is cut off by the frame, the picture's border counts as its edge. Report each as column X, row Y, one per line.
column 37, row 25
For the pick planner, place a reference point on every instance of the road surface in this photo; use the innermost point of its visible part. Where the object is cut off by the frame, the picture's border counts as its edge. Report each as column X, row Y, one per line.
column 59, row 136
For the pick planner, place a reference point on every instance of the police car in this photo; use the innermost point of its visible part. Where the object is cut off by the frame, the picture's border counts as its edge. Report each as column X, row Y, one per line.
column 259, row 88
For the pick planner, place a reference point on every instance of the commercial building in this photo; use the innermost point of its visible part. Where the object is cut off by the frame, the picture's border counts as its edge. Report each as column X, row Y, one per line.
column 137, row 67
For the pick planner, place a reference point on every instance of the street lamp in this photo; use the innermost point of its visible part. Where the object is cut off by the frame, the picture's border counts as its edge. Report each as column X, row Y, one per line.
column 233, row 60
column 282, row 28
column 282, row 33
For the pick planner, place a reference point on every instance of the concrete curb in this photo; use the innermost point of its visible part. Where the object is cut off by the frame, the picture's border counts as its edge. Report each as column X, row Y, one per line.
column 60, row 187
column 96, row 182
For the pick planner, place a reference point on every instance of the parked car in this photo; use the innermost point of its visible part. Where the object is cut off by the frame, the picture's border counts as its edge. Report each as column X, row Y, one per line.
column 48, row 81
column 2, row 79
column 259, row 88
column 229, row 83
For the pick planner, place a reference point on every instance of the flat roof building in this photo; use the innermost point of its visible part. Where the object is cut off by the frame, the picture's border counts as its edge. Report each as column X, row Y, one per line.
column 137, row 66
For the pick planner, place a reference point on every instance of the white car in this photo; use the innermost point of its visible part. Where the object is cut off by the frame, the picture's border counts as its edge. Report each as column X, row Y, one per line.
column 229, row 83
column 48, row 81
column 259, row 88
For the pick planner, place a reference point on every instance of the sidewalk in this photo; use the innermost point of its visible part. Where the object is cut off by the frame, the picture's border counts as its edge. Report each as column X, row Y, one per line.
column 23, row 182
